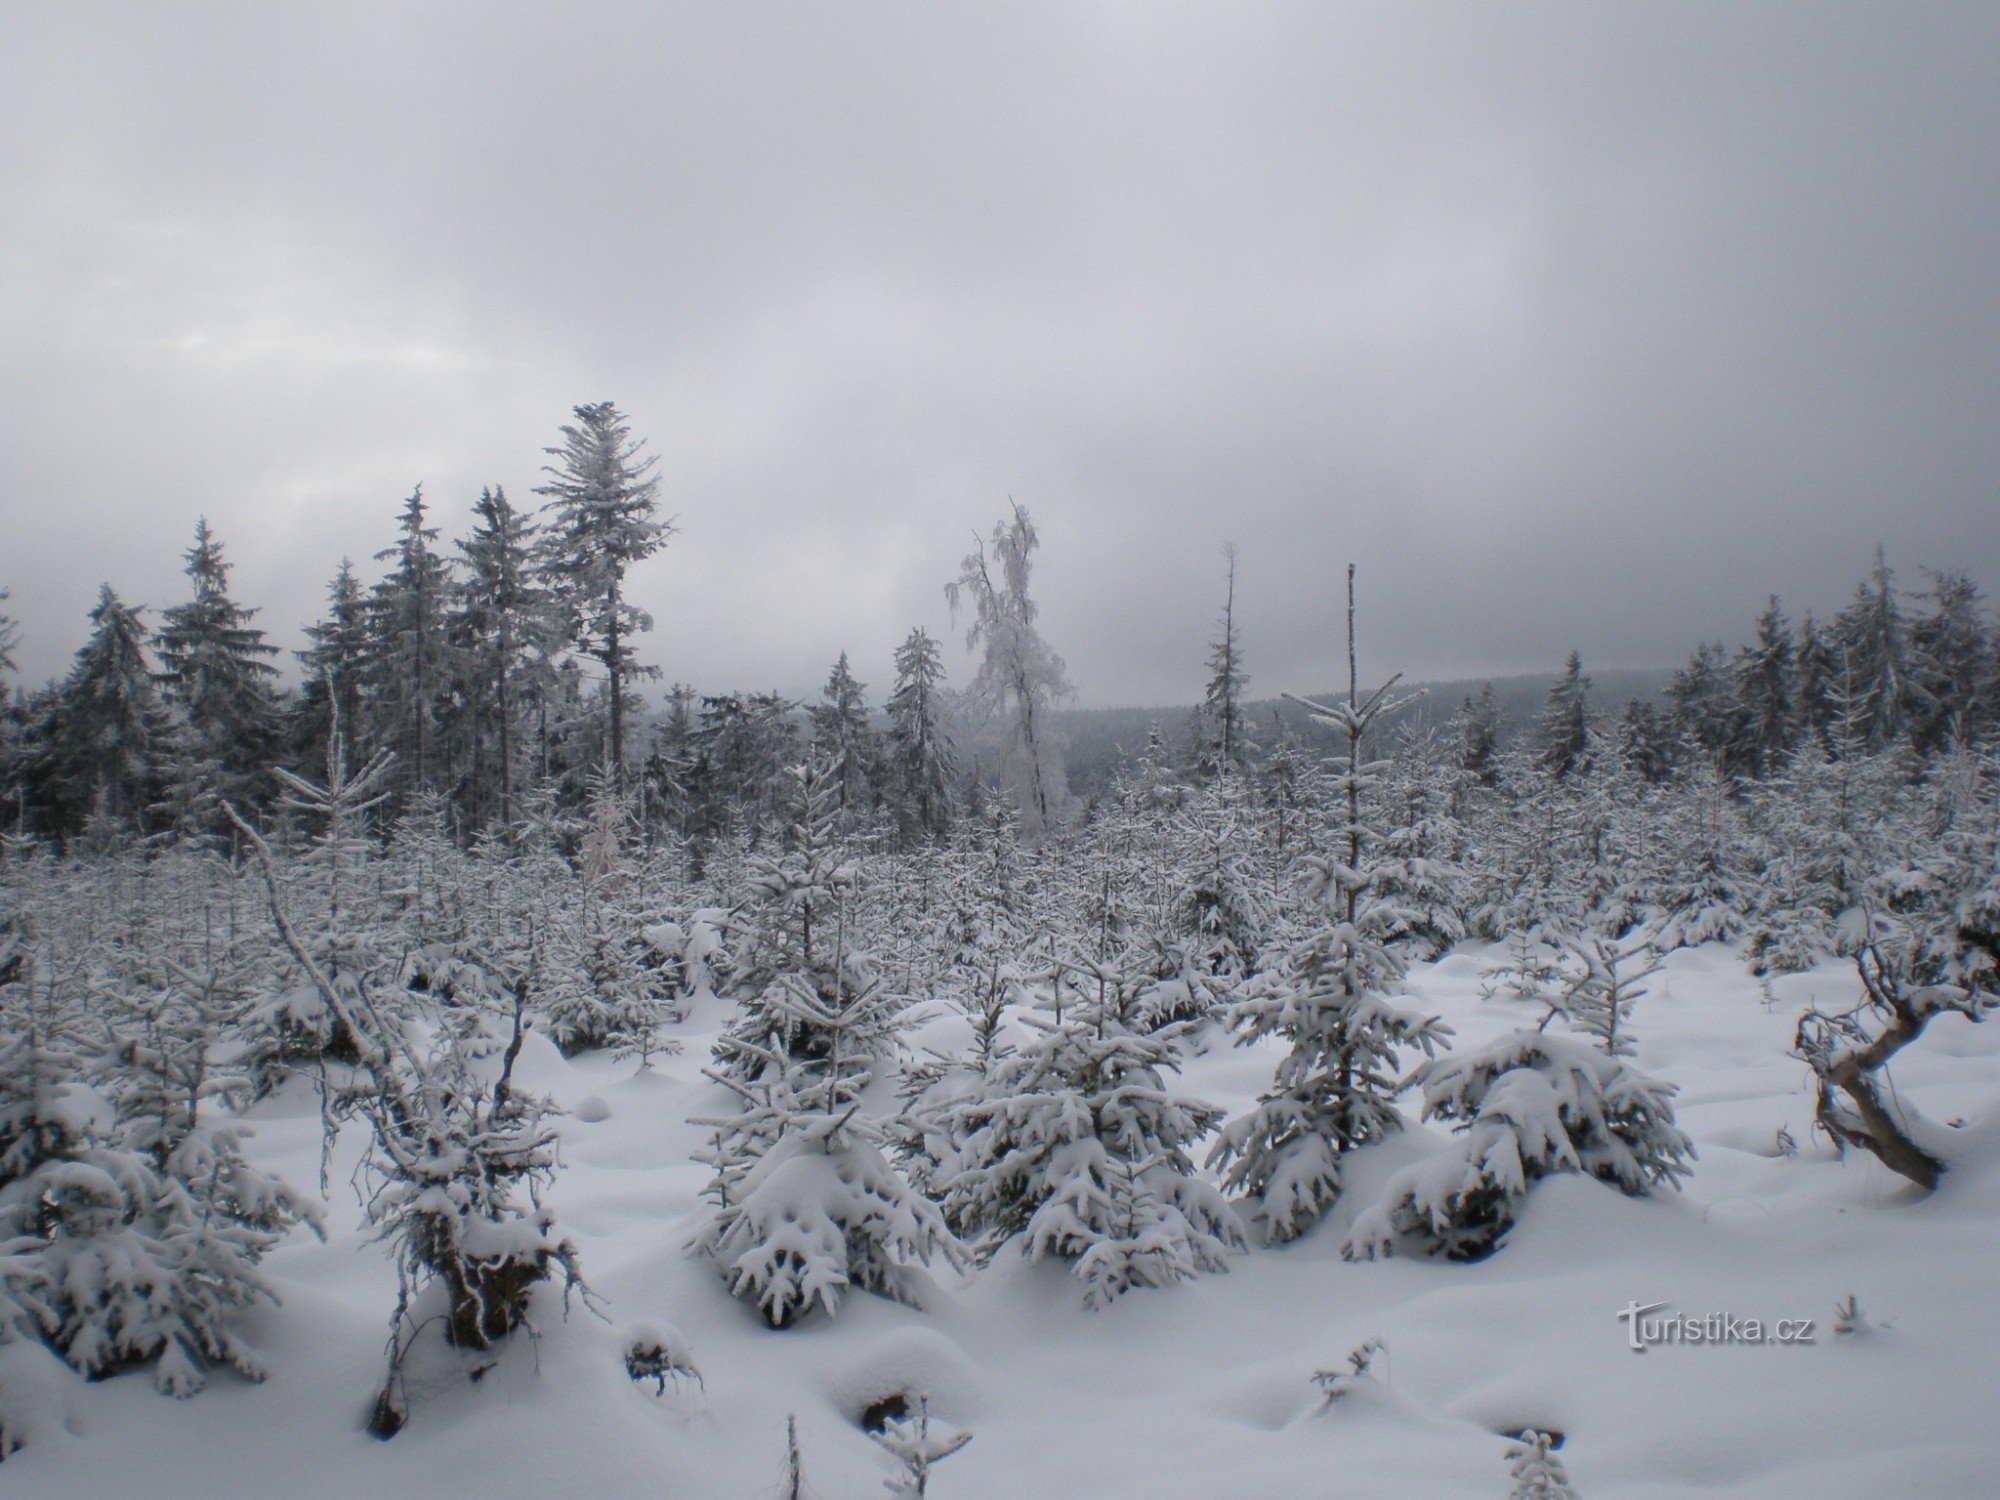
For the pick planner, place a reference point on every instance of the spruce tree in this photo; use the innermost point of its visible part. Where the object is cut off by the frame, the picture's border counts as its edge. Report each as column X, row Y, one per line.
column 1224, row 743
column 1078, row 1143
column 1764, row 676
column 1477, row 726
column 10, row 637
column 336, row 670
column 921, row 764
column 1817, row 666
column 1879, row 669
column 842, row 738
column 1525, row 1106
column 213, row 668
column 1332, row 1002
column 1955, row 666
column 113, row 728
column 806, row 1203
column 602, row 498
column 1565, row 725
column 504, row 633
column 408, row 657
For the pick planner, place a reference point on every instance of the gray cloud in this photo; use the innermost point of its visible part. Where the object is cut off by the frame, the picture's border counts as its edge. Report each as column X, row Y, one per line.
column 1572, row 325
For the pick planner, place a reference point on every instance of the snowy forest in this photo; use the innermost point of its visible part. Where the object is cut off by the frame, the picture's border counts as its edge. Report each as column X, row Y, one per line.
column 464, row 1027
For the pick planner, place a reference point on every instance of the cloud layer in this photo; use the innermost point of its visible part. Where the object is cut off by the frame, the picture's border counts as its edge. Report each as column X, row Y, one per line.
column 1573, row 325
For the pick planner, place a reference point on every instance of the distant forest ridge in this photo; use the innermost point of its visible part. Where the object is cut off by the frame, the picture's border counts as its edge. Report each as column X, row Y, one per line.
column 1102, row 741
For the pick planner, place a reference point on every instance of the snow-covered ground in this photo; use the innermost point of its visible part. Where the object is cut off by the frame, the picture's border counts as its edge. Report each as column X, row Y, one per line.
column 1200, row 1391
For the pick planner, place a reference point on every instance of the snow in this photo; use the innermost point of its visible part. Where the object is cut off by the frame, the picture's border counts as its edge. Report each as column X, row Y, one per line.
column 1200, row 1390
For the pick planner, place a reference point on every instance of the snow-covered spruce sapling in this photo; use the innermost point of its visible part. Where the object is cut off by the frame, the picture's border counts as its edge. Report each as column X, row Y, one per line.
column 820, row 1210
column 1076, row 1143
column 454, row 1144
column 1603, row 982
column 127, row 1235
column 806, row 1203
column 294, row 1023
column 1334, row 1384
column 1332, row 1001
column 1525, row 1106
column 917, row 1449
column 595, row 989
column 796, row 911
column 1536, row 1471
column 1334, row 1090
column 1526, row 973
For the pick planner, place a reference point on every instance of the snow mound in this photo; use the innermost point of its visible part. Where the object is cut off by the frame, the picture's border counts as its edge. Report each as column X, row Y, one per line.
column 909, row 1362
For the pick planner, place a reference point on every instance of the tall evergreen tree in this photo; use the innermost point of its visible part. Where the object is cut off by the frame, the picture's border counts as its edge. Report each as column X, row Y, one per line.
column 841, row 735
column 921, row 755
column 1477, row 726
column 10, row 637
column 1954, row 665
column 112, row 726
column 504, row 635
column 1565, row 727
column 1645, row 744
column 12, row 721
column 603, row 497
column 1764, row 675
column 1874, row 639
column 407, row 650
column 1817, row 672
column 336, row 664
column 213, row 667
column 1224, row 741
column 1703, row 701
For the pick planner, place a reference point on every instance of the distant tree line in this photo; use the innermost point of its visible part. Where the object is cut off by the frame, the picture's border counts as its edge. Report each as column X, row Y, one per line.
column 500, row 670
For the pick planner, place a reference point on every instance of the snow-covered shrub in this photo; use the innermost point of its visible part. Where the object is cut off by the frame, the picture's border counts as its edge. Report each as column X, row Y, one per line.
column 1076, row 1143
column 130, row 1233
column 820, row 1210
column 917, row 1449
column 1334, row 1090
column 692, row 954
column 597, row 991
column 1525, row 1106
column 806, row 1203
column 454, row 1146
column 660, row 1353
column 1536, row 1471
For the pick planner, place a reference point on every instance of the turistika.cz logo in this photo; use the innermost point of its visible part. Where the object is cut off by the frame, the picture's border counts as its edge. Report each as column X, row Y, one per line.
column 1642, row 1331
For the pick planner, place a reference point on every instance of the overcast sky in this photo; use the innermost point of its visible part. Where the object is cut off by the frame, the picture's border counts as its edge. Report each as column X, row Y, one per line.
column 1574, row 326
